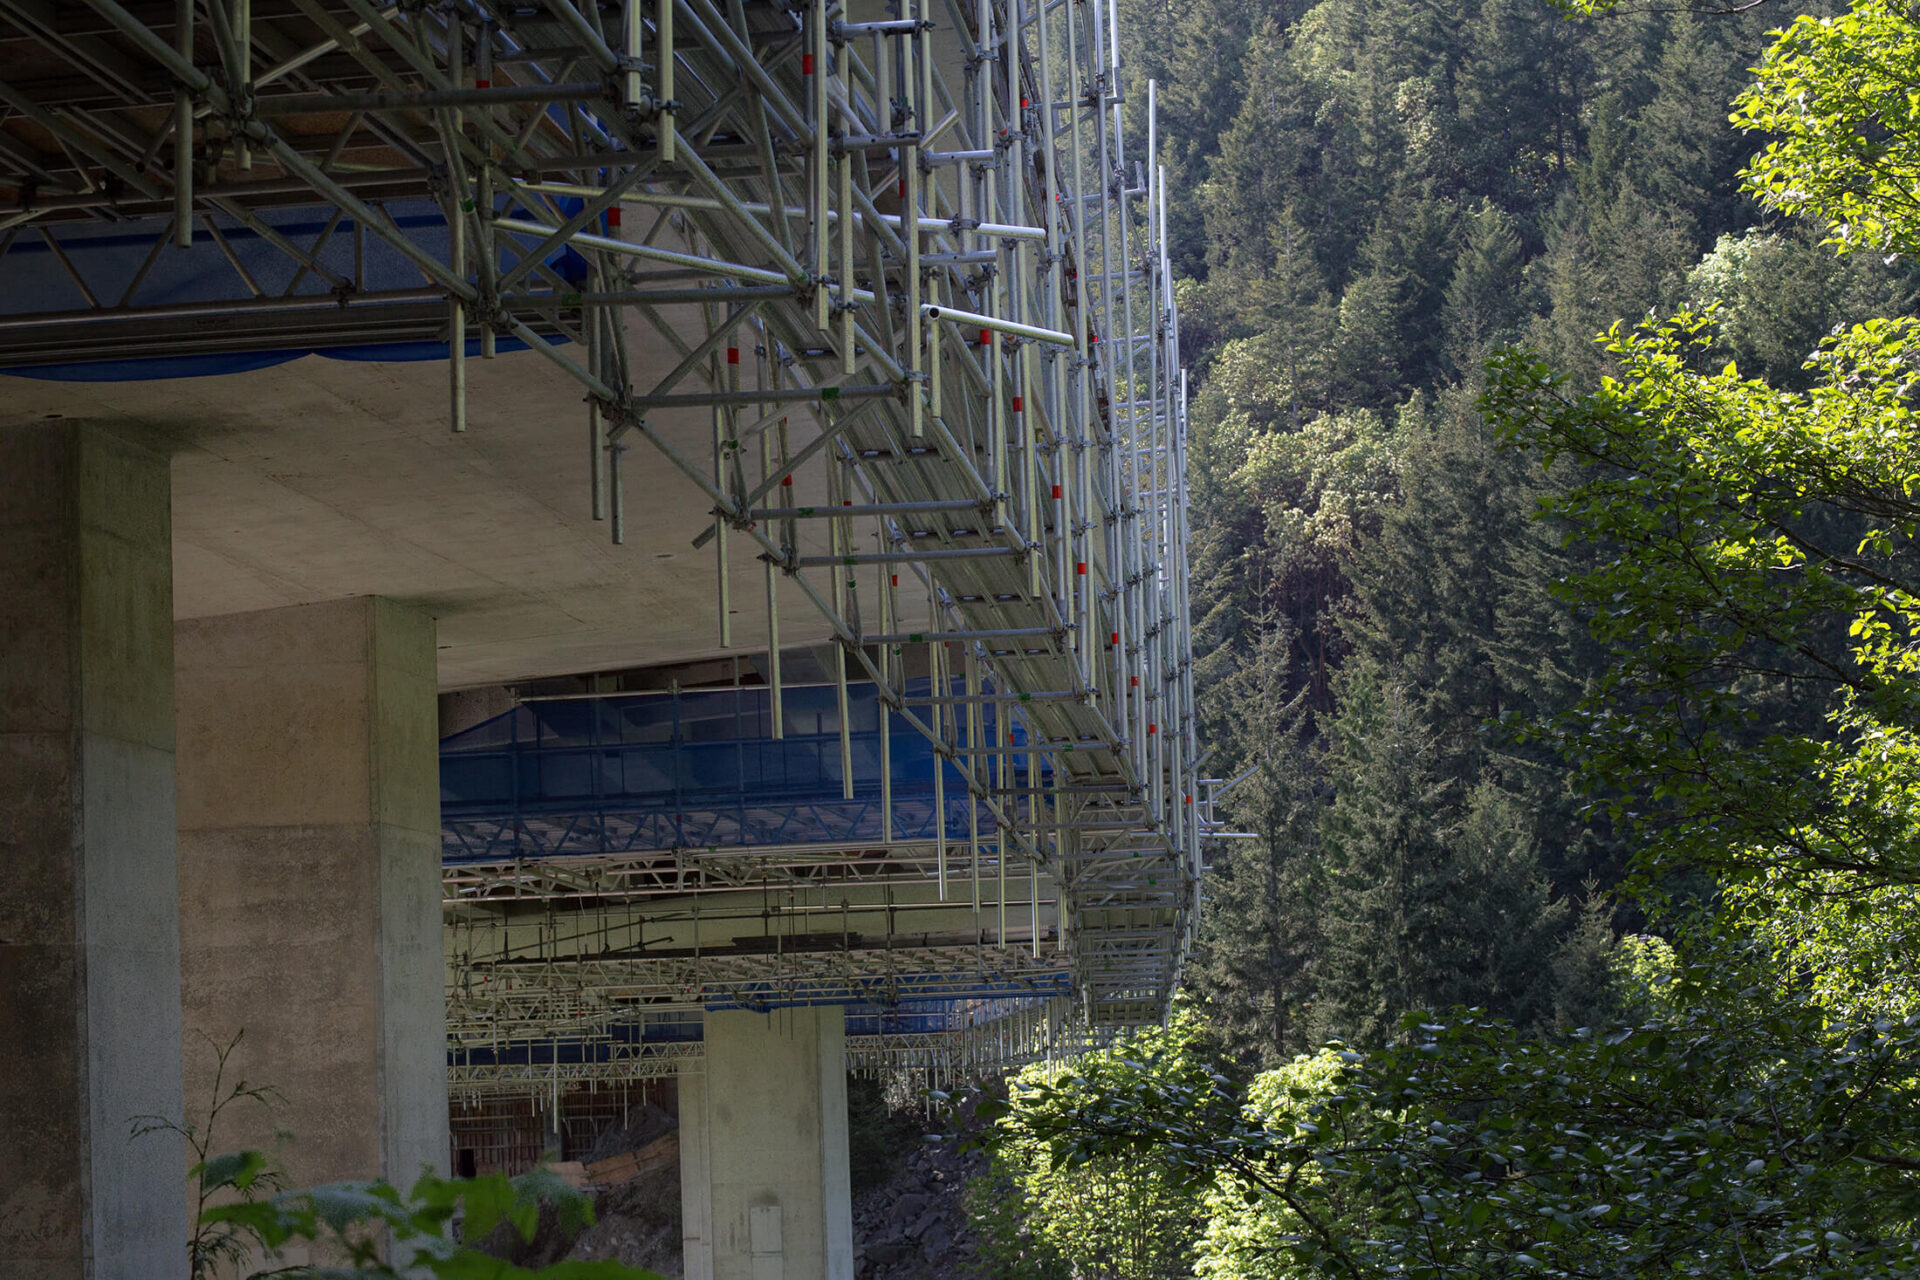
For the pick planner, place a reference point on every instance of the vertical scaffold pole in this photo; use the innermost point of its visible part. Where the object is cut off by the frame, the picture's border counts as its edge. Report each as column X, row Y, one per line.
column 814, row 67
column 938, row 687
column 456, row 232
column 722, row 582
column 664, row 125
column 483, row 214
column 845, row 300
column 634, row 24
column 596, row 326
column 183, row 132
column 841, row 551
column 973, row 801
column 909, row 189
column 243, row 45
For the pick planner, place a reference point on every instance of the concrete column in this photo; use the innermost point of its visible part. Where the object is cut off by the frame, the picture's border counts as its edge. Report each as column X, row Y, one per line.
column 89, row 953
column 310, row 882
column 763, row 1148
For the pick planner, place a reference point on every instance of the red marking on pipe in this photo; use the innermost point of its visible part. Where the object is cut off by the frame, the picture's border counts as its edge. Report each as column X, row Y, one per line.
column 483, row 84
column 1116, row 638
column 1056, row 491
column 613, row 216
column 788, row 481
column 1134, row 681
column 1024, row 104
column 986, row 336
column 1189, row 799
column 1080, row 567
column 1019, row 403
column 903, row 188
column 806, row 64
column 896, row 579
column 1152, row 728
column 733, row 355
column 846, row 502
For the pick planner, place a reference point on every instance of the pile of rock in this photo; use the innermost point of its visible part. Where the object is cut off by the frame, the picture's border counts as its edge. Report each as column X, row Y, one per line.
column 914, row 1226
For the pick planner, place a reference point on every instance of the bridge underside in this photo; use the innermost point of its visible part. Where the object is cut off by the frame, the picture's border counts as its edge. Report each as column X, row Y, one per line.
column 389, row 348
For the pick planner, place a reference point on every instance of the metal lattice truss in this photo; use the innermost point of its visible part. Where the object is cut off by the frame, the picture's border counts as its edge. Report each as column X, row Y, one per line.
column 900, row 260
column 978, row 1038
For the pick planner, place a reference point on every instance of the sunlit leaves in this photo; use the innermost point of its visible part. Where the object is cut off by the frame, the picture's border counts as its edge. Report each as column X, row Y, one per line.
column 1757, row 585
column 1840, row 97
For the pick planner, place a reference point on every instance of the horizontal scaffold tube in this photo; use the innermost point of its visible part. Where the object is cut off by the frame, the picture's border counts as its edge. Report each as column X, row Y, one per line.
column 861, row 509
column 921, row 637
column 668, row 200
column 306, row 103
column 974, row 320
column 909, row 557
column 581, row 239
column 863, row 392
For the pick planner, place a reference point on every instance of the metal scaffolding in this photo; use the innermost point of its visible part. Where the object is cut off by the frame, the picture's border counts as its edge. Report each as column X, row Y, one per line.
column 902, row 260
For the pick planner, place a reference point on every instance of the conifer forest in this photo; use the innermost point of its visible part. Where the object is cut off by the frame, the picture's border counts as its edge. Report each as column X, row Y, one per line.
column 1556, row 486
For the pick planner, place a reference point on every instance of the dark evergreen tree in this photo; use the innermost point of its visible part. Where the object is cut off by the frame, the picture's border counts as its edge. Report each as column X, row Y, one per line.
column 1434, row 894
column 1485, row 297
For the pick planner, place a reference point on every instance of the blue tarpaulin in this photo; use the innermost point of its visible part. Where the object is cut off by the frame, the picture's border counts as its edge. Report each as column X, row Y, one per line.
column 108, row 256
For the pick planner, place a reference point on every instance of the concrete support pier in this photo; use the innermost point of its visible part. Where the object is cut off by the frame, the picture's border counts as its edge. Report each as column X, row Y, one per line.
column 89, row 954
column 310, row 882
column 763, row 1149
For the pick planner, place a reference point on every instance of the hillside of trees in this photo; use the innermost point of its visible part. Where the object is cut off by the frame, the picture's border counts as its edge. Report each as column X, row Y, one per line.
column 1556, row 492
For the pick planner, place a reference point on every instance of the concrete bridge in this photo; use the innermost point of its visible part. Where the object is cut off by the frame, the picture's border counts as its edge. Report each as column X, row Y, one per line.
column 754, row 432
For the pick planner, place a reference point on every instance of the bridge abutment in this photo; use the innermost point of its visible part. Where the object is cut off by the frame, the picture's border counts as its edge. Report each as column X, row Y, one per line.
column 763, row 1149
column 90, row 998
column 310, row 882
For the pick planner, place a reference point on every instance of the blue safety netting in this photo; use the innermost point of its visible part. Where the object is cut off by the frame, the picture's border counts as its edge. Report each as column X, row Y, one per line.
column 110, row 256
column 692, row 770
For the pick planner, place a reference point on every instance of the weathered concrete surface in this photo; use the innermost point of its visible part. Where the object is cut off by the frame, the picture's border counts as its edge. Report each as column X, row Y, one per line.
column 763, row 1147
column 310, row 881
column 89, row 959
column 323, row 479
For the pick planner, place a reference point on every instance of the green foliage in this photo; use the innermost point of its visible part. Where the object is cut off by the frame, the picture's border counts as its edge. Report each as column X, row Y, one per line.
column 373, row 1231
column 1840, row 98
column 1473, row 688
column 1757, row 556
column 1731, row 1136
column 1777, row 295
column 1250, row 1235
column 216, row 1243
column 1850, row 949
column 1050, row 1203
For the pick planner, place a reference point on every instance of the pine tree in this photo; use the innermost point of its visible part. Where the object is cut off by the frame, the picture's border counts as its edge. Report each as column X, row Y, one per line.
column 1297, row 313
column 1434, row 891
column 1485, row 298
column 1259, row 932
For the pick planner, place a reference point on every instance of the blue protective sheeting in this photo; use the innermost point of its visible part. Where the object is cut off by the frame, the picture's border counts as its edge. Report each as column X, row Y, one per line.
column 156, row 368
column 629, row 773
column 160, row 367
column 107, row 257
